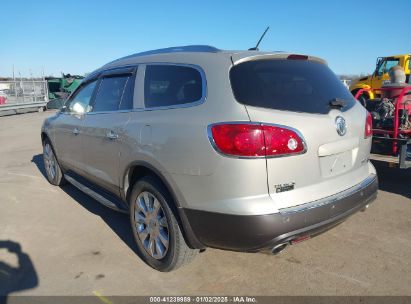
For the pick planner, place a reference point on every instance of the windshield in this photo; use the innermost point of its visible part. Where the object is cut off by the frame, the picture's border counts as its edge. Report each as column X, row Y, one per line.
column 292, row 85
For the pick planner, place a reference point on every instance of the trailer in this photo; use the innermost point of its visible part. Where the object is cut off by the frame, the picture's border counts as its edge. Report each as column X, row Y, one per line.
column 22, row 96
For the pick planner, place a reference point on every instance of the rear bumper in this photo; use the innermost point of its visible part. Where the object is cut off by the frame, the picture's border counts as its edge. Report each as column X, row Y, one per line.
column 259, row 232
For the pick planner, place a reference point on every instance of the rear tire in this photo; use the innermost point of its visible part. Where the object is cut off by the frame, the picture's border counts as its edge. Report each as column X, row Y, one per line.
column 155, row 228
column 53, row 170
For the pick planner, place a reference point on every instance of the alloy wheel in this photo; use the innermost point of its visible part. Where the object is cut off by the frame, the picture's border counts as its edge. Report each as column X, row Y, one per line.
column 49, row 161
column 151, row 225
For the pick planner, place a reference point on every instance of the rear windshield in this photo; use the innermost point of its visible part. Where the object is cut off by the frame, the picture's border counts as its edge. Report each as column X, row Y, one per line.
column 291, row 85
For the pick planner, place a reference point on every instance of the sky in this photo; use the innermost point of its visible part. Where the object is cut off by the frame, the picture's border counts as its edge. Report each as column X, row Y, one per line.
column 77, row 37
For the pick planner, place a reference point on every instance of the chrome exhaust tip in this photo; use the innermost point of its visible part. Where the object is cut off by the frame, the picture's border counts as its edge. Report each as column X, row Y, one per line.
column 278, row 248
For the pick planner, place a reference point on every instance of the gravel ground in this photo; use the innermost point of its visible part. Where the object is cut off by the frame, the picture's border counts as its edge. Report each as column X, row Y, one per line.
column 59, row 241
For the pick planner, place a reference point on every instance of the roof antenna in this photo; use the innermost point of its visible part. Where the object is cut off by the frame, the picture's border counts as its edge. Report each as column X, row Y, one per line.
column 261, row 38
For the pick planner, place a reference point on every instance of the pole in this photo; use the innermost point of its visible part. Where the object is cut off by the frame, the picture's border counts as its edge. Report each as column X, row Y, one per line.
column 15, row 84
column 22, row 86
column 46, row 92
column 34, row 91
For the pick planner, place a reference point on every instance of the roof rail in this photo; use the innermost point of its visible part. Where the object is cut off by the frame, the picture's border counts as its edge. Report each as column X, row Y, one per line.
column 175, row 49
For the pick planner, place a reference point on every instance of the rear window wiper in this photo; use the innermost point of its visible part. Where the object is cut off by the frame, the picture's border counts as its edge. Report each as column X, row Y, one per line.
column 337, row 103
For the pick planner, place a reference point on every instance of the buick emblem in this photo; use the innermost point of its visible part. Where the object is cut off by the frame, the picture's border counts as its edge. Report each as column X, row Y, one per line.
column 341, row 125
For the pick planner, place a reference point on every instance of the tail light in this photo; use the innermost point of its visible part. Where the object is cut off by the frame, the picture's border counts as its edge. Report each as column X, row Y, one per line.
column 297, row 57
column 368, row 126
column 255, row 140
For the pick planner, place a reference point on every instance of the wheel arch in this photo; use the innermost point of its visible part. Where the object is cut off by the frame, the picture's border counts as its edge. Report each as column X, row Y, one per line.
column 139, row 169
column 44, row 136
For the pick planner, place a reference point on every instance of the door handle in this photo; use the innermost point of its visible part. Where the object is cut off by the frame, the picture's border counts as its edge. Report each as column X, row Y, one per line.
column 112, row 135
column 76, row 131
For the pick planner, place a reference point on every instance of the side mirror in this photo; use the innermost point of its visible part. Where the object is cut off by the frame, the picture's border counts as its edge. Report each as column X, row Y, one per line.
column 78, row 108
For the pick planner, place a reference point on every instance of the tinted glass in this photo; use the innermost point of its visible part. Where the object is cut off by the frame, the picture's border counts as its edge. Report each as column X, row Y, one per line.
column 128, row 95
column 109, row 94
column 386, row 65
column 292, row 85
column 390, row 64
column 80, row 102
column 168, row 85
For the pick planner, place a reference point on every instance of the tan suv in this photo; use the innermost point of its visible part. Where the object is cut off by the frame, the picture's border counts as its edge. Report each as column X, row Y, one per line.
column 238, row 150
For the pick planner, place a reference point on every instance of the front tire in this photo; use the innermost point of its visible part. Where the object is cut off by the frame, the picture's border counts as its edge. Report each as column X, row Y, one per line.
column 155, row 228
column 53, row 170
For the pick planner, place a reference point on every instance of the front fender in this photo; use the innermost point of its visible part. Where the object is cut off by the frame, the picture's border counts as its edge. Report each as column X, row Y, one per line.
column 47, row 128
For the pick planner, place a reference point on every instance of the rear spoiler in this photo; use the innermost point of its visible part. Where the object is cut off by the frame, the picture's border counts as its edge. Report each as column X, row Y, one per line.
column 237, row 58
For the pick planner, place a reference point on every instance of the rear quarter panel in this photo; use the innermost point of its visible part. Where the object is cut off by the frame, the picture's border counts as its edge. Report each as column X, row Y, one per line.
column 175, row 141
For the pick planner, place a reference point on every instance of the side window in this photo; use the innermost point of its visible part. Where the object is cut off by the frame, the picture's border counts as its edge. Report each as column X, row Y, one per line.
column 390, row 64
column 80, row 102
column 381, row 68
column 169, row 85
column 109, row 94
column 387, row 65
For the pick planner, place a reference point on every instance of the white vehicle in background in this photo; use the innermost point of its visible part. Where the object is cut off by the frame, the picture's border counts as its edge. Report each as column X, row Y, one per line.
column 346, row 82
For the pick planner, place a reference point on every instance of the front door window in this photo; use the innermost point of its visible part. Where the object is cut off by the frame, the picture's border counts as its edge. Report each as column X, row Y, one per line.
column 80, row 102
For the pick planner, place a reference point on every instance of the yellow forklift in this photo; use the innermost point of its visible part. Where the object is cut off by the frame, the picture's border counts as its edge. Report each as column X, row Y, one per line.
column 372, row 83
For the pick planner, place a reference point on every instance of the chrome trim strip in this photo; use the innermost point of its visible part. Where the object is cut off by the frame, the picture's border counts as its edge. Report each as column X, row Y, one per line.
column 184, row 105
column 102, row 200
column 133, row 110
column 108, row 112
column 330, row 199
column 214, row 145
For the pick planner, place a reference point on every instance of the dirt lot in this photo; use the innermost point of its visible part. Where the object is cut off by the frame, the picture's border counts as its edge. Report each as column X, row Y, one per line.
column 65, row 243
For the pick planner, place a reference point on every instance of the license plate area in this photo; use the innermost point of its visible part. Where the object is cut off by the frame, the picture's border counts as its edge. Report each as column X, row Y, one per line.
column 336, row 164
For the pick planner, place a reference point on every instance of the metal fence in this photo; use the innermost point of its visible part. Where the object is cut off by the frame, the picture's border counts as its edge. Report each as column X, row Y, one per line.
column 20, row 94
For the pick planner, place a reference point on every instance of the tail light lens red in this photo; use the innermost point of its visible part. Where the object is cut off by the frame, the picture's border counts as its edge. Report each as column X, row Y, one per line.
column 254, row 140
column 368, row 126
column 297, row 57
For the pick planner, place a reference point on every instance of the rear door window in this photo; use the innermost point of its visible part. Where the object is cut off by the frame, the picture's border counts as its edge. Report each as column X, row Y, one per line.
column 291, row 85
column 171, row 85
